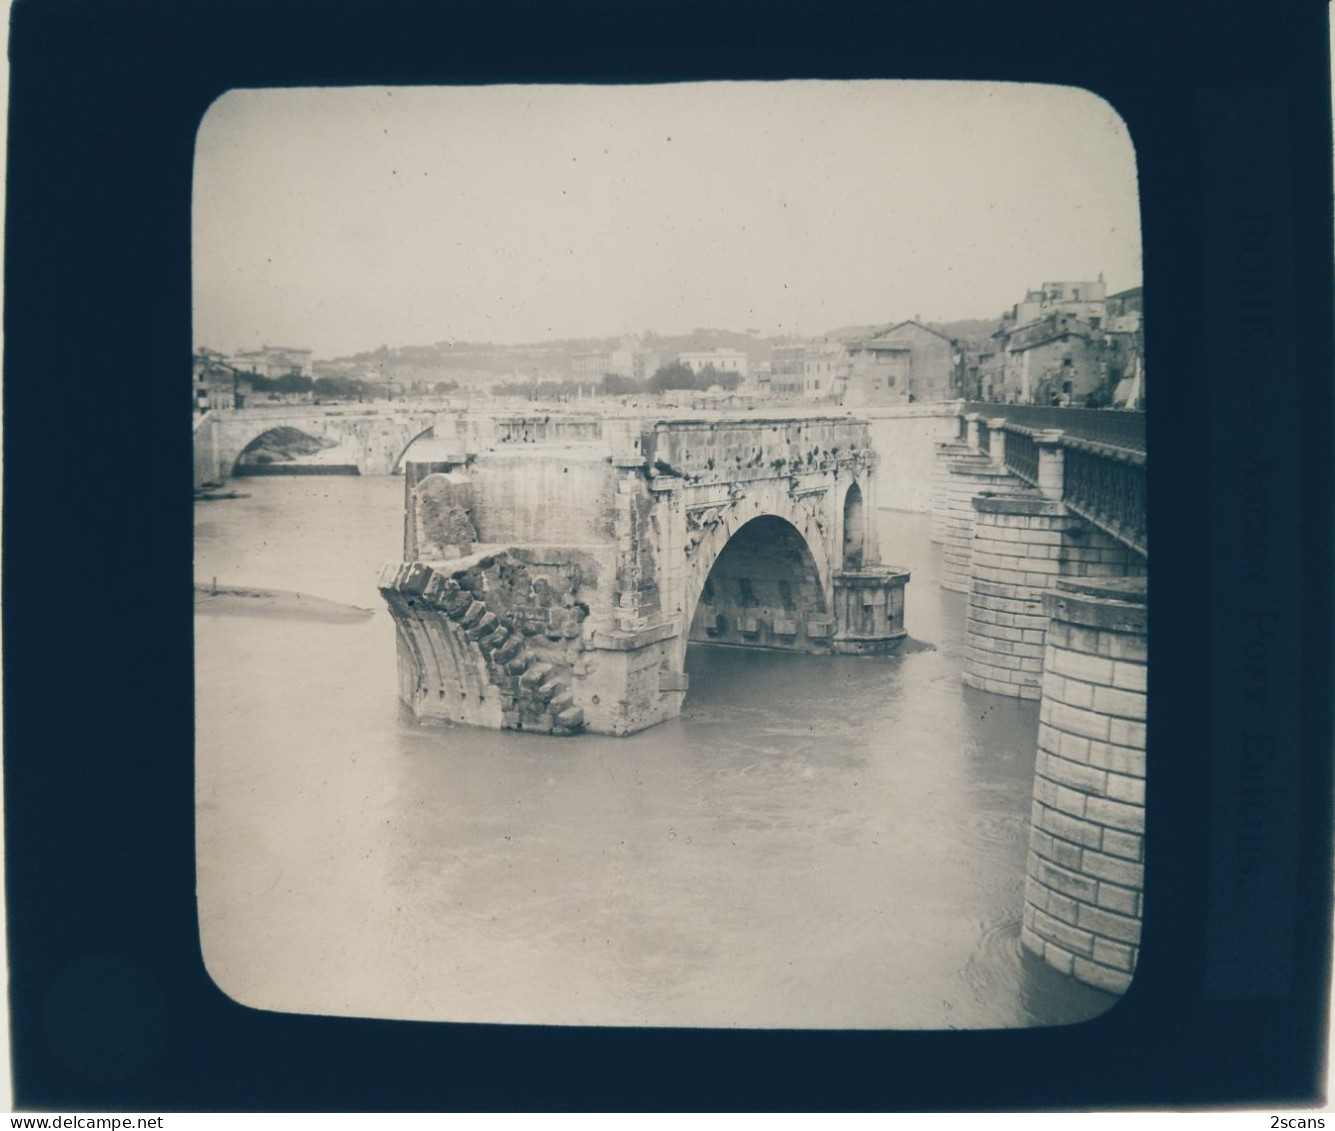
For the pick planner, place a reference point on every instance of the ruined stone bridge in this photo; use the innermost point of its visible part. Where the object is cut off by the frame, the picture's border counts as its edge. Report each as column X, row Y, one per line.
column 371, row 439
column 553, row 586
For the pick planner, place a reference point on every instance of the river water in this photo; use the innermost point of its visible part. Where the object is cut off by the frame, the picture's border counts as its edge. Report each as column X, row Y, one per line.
column 834, row 842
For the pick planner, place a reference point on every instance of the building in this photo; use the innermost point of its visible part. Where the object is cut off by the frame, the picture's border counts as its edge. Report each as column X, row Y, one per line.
column 906, row 363
column 590, row 367
column 723, row 361
column 1058, row 360
column 646, row 363
column 274, row 361
column 825, row 369
column 787, row 377
column 1067, row 343
column 217, row 385
column 1124, row 341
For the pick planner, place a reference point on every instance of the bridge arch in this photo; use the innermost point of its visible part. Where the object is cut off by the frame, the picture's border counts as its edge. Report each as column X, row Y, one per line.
column 854, row 528
column 285, row 437
column 754, row 577
column 425, row 433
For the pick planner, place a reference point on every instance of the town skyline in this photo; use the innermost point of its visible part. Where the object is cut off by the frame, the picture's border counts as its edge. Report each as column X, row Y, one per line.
column 341, row 221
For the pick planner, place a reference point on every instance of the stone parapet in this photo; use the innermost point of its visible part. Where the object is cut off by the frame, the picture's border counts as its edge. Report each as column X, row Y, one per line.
column 1084, row 884
column 965, row 480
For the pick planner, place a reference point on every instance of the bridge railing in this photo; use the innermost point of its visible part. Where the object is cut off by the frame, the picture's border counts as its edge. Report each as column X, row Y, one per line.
column 1115, row 427
column 1101, row 481
column 1105, row 485
column 1021, row 453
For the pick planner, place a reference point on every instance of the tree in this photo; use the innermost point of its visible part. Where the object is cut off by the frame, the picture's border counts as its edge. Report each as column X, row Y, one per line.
column 723, row 378
column 674, row 376
column 616, row 385
column 293, row 382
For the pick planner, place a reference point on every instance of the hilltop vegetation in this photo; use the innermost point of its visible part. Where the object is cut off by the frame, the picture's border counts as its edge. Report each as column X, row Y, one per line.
column 494, row 365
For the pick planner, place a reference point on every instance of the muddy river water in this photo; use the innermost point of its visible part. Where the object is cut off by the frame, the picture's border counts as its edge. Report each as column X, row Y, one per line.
column 834, row 842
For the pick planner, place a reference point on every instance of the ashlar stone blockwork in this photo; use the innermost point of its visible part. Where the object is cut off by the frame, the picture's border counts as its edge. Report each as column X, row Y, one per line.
column 1085, row 875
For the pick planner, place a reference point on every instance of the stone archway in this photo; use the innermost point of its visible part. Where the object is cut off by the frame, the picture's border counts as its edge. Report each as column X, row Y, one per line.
column 281, row 447
column 426, row 433
column 759, row 583
column 854, row 528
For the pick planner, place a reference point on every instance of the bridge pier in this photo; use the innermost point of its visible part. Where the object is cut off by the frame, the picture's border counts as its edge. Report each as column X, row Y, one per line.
column 948, row 454
column 1022, row 543
column 967, row 480
column 1085, row 872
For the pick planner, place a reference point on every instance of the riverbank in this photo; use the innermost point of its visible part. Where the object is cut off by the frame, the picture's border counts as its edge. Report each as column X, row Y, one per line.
column 276, row 604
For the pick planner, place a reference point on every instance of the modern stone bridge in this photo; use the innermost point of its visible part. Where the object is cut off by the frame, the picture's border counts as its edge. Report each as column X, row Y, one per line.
column 371, row 439
column 553, row 585
column 1042, row 518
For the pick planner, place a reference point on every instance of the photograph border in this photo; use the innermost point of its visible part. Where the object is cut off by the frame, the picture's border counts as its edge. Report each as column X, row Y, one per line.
column 110, row 1005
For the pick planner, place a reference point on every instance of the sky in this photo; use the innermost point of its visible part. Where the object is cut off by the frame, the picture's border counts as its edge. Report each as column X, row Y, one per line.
column 341, row 219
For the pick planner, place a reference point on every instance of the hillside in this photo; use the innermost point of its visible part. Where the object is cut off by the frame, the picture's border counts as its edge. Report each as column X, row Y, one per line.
column 478, row 365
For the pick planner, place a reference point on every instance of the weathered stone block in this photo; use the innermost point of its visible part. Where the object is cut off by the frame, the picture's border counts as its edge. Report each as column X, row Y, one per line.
column 1075, row 693
column 1066, row 881
column 536, row 674
column 1070, row 938
column 1074, row 774
column 1119, row 899
column 508, row 650
column 1096, row 974
column 1062, row 907
column 475, row 611
column 1114, row 869
column 1073, row 720
column 1116, row 814
column 1109, row 925
column 1060, row 960
column 1126, row 732
column 1130, row 846
column 1122, row 646
column 1124, row 704
column 1070, row 828
column 1073, row 748
column 1090, row 669
column 1128, row 789
column 1119, row 759
column 1115, row 954
column 1065, row 854
column 484, row 626
column 1129, row 676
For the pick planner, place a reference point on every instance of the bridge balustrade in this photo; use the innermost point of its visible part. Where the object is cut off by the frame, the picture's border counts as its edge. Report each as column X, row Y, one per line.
column 1105, row 485
column 1115, row 427
column 1021, row 453
column 1101, row 481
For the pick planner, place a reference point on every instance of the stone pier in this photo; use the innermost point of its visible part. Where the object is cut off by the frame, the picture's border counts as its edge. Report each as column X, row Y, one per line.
column 966, row 480
column 1084, row 887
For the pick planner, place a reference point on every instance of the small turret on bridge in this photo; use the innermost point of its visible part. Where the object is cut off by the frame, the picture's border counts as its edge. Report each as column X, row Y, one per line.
column 554, row 586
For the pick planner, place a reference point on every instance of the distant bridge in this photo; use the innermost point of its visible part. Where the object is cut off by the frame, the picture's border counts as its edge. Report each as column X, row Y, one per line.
column 371, row 439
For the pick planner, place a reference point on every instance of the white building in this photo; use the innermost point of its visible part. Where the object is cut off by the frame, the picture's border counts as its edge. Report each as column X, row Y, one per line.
column 723, row 361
